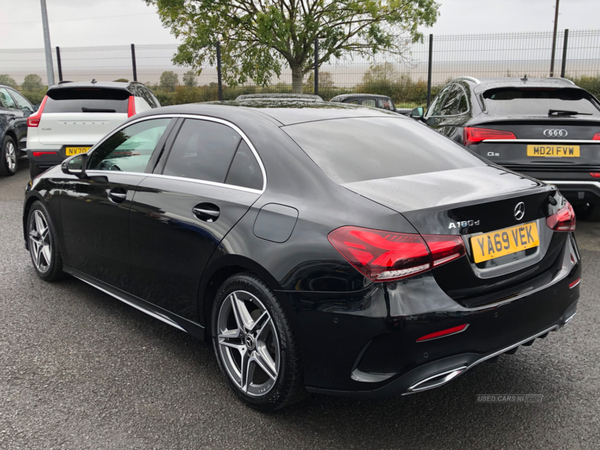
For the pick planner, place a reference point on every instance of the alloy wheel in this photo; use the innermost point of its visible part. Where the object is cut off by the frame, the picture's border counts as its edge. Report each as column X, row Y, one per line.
column 10, row 153
column 248, row 343
column 39, row 241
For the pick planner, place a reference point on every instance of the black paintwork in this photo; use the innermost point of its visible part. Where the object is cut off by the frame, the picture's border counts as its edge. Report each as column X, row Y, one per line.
column 151, row 251
column 13, row 122
column 573, row 174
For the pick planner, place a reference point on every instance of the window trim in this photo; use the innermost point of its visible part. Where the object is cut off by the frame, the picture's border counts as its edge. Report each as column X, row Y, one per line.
column 194, row 180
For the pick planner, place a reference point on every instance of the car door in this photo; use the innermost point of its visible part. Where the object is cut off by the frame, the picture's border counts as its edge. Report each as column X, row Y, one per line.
column 26, row 109
column 95, row 209
column 16, row 117
column 181, row 214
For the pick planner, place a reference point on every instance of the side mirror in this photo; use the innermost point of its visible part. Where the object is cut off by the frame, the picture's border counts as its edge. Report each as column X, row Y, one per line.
column 418, row 113
column 75, row 165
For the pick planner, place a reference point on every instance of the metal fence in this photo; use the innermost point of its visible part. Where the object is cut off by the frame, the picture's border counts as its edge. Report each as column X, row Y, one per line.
column 478, row 55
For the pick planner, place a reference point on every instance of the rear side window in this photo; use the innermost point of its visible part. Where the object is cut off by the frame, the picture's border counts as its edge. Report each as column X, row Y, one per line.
column 350, row 150
column 82, row 100
column 203, row 150
column 244, row 170
column 539, row 101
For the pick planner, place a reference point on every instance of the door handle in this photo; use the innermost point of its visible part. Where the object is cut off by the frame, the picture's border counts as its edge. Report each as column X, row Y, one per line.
column 207, row 212
column 118, row 195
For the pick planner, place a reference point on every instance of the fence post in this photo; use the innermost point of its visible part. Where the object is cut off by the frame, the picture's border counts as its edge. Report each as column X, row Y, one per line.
column 133, row 64
column 219, row 71
column 316, row 66
column 554, row 39
column 429, row 70
column 564, row 57
column 59, row 64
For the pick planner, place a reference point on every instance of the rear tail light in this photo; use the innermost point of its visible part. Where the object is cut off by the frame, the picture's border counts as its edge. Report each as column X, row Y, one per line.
column 385, row 256
column 38, row 154
column 596, row 137
column 131, row 106
column 476, row 135
column 563, row 219
column 34, row 119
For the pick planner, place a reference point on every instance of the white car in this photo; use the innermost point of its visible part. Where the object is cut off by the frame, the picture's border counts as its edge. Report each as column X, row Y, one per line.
column 74, row 116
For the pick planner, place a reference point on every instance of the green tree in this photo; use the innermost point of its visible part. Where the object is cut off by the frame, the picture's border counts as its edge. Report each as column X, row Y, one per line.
column 168, row 80
column 189, row 79
column 7, row 80
column 32, row 83
column 259, row 36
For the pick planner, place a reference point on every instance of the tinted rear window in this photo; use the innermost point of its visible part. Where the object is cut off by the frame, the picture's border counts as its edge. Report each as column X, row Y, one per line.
column 538, row 101
column 350, row 150
column 91, row 100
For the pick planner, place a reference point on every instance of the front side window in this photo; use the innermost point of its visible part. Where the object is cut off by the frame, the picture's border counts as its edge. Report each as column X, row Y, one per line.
column 6, row 100
column 452, row 101
column 21, row 101
column 369, row 102
column 203, row 150
column 129, row 149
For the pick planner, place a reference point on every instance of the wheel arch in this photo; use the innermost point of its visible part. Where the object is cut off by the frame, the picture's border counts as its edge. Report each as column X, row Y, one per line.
column 26, row 208
column 220, row 270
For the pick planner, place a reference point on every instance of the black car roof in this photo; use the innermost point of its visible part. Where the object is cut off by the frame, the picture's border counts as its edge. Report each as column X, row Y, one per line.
column 483, row 84
column 281, row 112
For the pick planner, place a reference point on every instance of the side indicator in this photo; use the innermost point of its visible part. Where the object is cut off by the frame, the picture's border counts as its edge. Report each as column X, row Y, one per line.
column 444, row 333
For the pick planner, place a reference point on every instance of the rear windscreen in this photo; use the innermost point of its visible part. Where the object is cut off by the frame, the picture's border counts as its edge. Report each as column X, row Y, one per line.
column 539, row 101
column 87, row 100
column 350, row 150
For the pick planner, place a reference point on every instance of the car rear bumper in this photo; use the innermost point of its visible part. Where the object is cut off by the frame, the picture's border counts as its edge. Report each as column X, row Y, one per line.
column 352, row 348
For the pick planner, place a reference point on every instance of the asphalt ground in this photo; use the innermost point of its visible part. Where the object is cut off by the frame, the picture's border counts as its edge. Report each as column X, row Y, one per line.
column 80, row 370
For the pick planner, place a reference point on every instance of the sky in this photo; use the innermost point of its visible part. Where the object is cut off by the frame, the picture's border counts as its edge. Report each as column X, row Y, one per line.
column 84, row 23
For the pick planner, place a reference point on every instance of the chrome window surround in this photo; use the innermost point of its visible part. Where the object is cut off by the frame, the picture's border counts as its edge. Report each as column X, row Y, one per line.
column 189, row 116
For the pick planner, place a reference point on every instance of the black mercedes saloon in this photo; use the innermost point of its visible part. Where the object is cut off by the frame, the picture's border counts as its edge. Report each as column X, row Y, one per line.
column 319, row 247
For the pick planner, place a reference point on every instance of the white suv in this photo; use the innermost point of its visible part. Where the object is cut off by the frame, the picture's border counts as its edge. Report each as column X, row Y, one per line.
column 74, row 116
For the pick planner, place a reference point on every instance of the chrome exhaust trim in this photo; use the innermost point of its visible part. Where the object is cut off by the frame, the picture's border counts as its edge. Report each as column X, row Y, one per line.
column 442, row 378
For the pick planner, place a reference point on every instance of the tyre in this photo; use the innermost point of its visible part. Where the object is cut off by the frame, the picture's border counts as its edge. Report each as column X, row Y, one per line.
column 9, row 155
column 254, row 344
column 589, row 213
column 43, row 247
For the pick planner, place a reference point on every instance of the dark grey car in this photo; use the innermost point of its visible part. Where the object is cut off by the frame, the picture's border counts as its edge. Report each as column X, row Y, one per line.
column 547, row 128
column 14, row 110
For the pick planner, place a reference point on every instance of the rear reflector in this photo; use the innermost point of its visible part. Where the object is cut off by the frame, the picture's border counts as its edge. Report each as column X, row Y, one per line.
column 385, row 256
column 131, row 106
column 563, row 219
column 596, row 137
column 38, row 154
column 595, row 174
column 444, row 333
column 574, row 283
column 34, row 119
column 476, row 135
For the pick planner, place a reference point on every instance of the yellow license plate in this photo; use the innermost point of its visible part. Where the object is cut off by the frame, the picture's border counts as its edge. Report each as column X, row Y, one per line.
column 504, row 242
column 70, row 151
column 556, row 151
